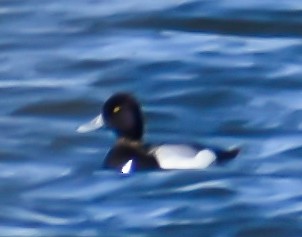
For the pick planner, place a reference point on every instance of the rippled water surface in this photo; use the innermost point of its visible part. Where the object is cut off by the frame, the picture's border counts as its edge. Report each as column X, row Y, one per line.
column 222, row 73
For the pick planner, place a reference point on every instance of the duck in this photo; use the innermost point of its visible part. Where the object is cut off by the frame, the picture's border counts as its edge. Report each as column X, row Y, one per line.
column 122, row 113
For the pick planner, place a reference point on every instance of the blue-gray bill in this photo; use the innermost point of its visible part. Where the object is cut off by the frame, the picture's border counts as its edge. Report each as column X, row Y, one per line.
column 92, row 125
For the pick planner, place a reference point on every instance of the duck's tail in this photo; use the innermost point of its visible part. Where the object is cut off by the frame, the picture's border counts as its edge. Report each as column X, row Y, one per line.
column 223, row 156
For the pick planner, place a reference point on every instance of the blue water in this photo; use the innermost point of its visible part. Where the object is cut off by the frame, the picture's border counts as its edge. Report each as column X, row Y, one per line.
column 222, row 73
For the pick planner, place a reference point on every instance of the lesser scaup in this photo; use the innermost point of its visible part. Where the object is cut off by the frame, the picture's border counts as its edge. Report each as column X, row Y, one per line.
column 122, row 113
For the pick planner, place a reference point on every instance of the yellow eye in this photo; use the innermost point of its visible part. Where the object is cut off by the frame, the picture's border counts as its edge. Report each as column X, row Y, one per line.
column 116, row 109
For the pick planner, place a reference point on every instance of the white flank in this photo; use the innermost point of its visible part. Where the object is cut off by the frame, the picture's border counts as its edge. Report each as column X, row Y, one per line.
column 127, row 167
column 183, row 157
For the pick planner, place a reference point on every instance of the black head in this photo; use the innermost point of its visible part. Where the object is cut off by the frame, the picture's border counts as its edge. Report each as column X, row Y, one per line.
column 122, row 113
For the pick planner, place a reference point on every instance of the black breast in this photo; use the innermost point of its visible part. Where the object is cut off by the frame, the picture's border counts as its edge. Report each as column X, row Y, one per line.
column 119, row 155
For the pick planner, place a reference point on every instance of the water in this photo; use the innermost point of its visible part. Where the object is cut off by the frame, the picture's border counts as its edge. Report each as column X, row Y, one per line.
column 221, row 73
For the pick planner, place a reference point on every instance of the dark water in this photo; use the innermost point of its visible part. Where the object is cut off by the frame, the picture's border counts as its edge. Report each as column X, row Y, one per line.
column 215, row 72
